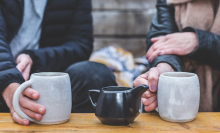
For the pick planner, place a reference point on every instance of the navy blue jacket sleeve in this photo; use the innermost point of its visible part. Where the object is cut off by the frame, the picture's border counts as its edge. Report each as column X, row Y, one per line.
column 162, row 24
column 77, row 47
column 8, row 71
column 208, row 51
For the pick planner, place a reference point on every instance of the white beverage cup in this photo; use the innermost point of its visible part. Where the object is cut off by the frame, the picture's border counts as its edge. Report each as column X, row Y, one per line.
column 55, row 95
column 178, row 96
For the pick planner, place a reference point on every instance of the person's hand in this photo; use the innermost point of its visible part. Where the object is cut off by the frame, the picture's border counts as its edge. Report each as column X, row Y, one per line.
column 150, row 78
column 29, row 107
column 176, row 43
column 24, row 64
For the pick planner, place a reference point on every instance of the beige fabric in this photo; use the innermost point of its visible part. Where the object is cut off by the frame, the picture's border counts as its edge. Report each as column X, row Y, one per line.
column 200, row 15
column 209, row 84
column 196, row 13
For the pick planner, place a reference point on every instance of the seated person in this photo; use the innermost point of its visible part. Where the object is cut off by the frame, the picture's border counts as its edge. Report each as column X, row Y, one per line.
column 47, row 36
column 185, row 36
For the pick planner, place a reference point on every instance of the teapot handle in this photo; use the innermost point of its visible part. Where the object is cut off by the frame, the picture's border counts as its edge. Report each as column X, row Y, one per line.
column 90, row 97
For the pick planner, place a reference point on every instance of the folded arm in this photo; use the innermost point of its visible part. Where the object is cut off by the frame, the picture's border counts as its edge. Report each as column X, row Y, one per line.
column 208, row 50
column 163, row 24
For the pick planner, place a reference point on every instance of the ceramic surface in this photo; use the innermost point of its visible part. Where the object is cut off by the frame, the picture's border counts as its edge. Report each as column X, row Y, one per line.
column 117, row 105
column 55, row 95
column 178, row 96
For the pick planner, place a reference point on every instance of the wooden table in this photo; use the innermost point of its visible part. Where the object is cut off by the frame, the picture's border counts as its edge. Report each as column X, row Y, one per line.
column 205, row 122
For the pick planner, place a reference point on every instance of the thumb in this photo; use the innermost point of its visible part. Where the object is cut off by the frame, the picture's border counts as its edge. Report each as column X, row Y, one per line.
column 26, row 72
column 153, row 79
column 22, row 65
column 16, row 118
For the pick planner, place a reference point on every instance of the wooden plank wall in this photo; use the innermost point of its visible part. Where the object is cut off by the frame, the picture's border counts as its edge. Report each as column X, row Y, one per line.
column 123, row 23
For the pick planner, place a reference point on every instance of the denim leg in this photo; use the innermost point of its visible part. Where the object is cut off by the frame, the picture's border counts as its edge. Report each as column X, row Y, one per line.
column 85, row 76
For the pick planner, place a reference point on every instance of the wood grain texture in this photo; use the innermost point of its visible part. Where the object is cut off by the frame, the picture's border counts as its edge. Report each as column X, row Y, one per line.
column 123, row 4
column 137, row 46
column 204, row 122
column 113, row 23
column 124, row 23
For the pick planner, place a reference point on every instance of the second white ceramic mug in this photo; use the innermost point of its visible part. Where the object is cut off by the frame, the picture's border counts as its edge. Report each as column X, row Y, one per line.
column 55, row 94
column 178, row 96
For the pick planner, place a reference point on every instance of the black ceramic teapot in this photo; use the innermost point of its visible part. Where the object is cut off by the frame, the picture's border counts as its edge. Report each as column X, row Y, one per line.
column 117, row 105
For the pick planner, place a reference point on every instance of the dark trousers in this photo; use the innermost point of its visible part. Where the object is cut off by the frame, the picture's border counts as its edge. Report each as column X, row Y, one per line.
column 84, row 76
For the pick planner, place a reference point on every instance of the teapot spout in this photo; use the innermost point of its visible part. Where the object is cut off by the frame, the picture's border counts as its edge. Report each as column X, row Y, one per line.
column 135, row 94
column 137, row 91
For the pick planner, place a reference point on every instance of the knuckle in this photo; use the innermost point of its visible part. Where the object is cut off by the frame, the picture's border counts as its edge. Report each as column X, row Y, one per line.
column 153, row 77
column 153, row 55
column 154, row 47
column 140, row 80
column 147, row 102
column 147, row 94
column 135, row 83
column 152, row 69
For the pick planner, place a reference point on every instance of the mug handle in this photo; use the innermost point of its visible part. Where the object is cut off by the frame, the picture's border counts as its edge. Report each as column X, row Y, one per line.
column 90, row 97
column 15, row 102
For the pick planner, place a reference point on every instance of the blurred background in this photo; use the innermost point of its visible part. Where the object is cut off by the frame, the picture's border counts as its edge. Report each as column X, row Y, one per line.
column 124, row 23
column 120, row 30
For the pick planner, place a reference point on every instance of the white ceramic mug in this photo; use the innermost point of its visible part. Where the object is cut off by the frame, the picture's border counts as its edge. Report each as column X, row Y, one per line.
column 55, row 94
column 178, row 96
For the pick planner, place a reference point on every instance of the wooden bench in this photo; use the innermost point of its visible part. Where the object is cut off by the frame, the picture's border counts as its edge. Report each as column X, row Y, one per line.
column 124, row 23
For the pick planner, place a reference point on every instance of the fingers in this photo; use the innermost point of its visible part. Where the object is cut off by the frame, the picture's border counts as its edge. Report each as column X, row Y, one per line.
column 31, row 105
column 154, row 55
column 149, row 100
column 151, row 107
column 154, row 48
column 18, row 119
column 155, row 39
column 148, row 94
column 31, row 114
column 26, row 72
column 22, row 65
column 141, row 80
column 31, row 93
column 158, row 48
column 175, row 51
column 153, row 77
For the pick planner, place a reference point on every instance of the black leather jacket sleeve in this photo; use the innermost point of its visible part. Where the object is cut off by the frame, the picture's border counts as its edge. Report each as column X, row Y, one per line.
column 8, row 71
column 208, row 51
column 77, row 46
column 162, row 24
